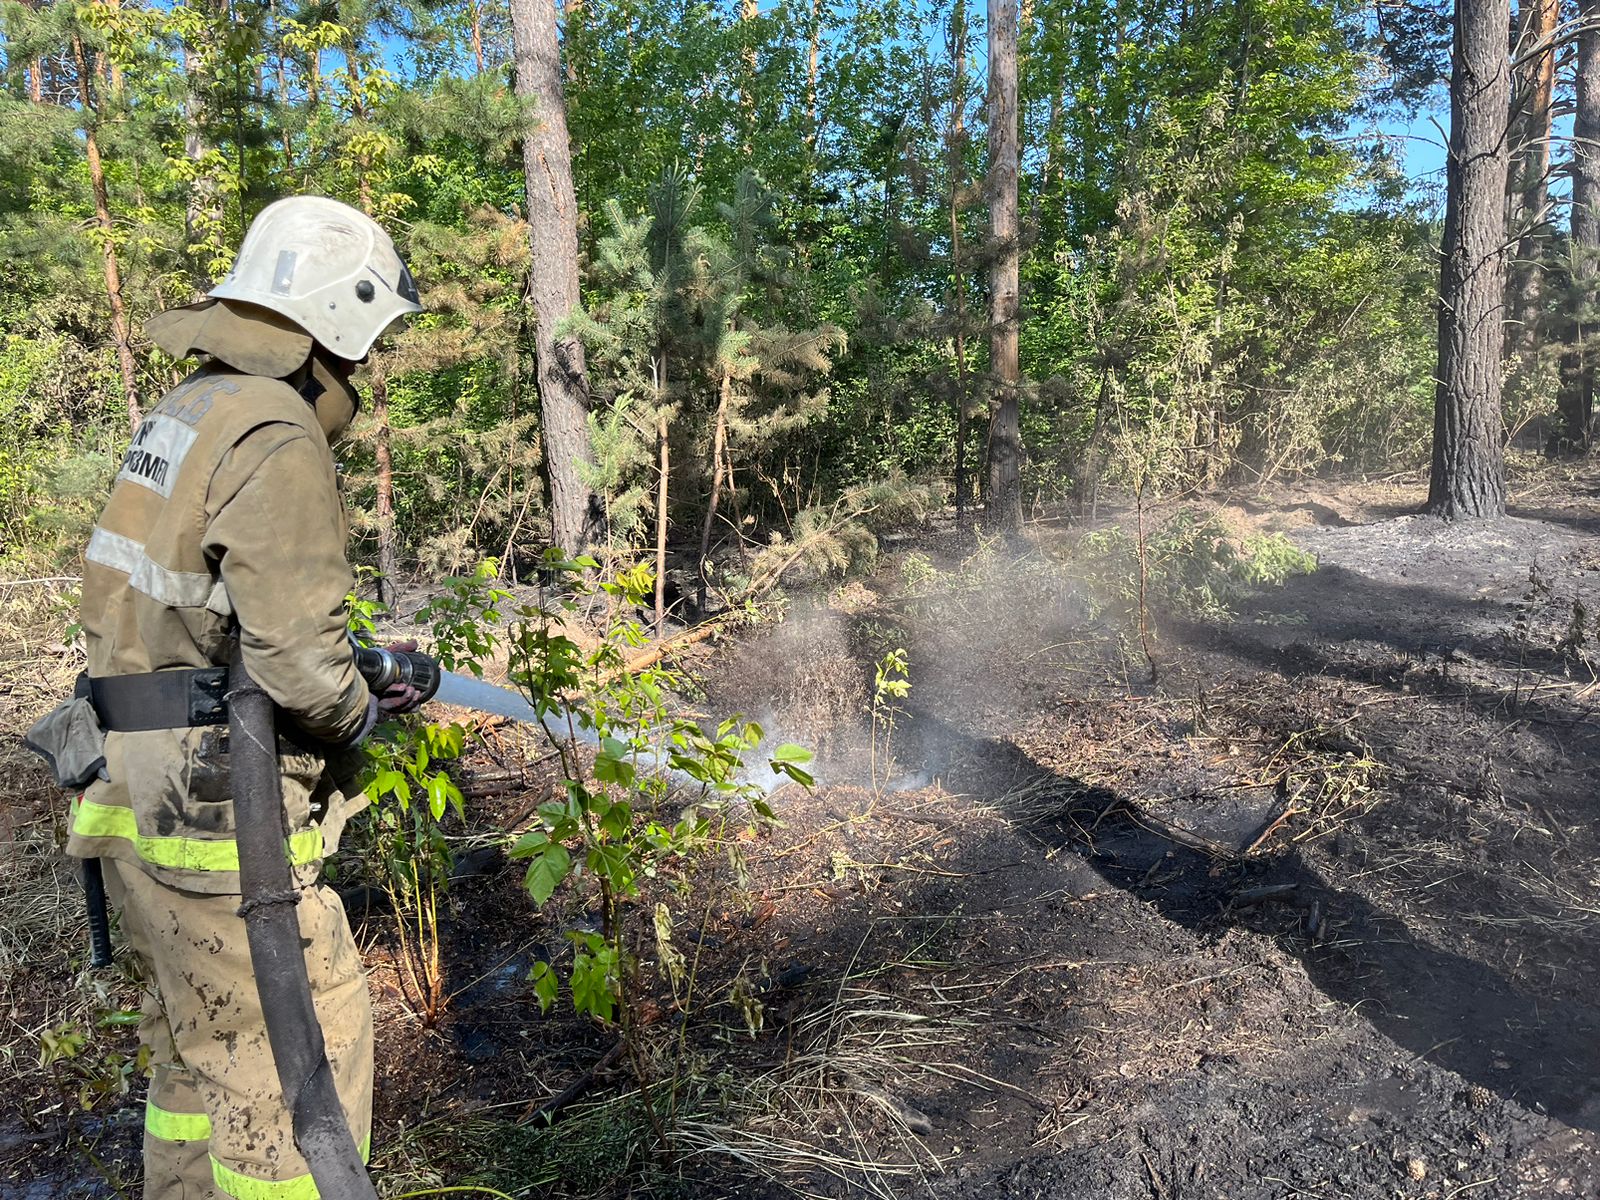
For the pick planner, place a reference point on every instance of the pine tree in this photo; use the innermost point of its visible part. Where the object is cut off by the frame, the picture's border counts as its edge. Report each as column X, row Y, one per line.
column 1468, row 478
column 1004, row 508
column 553, row 237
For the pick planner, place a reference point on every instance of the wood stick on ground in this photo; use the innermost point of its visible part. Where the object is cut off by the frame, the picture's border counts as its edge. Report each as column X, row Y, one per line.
column 661, row 649
column 574, row 1091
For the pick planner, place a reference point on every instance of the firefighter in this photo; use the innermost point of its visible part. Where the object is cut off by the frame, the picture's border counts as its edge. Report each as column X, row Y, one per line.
column 224, row 534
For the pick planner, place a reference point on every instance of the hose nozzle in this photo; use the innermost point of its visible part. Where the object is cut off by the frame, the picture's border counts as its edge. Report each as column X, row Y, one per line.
column 383, row 669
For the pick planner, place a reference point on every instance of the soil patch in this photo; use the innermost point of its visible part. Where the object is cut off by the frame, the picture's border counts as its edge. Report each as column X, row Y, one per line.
column 1314, row 914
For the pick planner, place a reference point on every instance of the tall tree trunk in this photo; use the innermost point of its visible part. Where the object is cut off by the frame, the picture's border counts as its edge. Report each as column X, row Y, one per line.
column 388, row 553
column 719, row 441
column 811, row 77
column 352, row 59
column 388, row 549
column 573, row 13
column 956, row 158
column 663, row 448
column 749, row 10
column 475, row 16
column 35, row 67
column 1533, row 92
column 1468, row 477
column 281, row 74
column 553, row 275
column 1005, row 432
column 1581, row 363
column 108, row 251
column 202, row 217
column 108, row 65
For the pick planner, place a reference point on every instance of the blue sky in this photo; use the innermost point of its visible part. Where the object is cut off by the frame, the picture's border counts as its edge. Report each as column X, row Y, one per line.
column 1420, row 144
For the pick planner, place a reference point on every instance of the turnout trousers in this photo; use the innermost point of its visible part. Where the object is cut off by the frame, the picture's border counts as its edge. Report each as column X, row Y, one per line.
column 215, row 1123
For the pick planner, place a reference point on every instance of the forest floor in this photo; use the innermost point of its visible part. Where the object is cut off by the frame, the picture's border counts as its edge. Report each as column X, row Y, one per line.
column 1316, row 913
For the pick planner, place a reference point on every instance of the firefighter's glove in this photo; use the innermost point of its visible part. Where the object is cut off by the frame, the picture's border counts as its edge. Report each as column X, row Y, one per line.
column 400, row 698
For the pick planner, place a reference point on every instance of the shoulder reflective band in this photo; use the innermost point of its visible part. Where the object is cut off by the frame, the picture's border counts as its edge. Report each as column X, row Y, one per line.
column 176, row 1127
column 243, row 1187
column 91, row 820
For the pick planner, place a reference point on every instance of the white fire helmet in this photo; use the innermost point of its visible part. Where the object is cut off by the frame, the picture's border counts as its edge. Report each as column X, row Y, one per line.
column 330, row 269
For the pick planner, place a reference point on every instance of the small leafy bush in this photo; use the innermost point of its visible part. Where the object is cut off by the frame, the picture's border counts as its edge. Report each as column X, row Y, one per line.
column 641, row 789
column 1193, row 565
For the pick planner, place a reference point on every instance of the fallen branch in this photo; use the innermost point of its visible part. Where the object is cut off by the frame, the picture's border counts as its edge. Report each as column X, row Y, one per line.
column 661, row 649
column 574, row 1091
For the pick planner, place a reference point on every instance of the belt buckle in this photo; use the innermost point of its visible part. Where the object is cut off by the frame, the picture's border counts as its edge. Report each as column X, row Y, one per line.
column 208, row 690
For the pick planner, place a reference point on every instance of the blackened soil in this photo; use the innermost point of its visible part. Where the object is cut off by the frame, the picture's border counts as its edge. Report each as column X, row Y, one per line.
column 1312, row 915
column 1373, row 975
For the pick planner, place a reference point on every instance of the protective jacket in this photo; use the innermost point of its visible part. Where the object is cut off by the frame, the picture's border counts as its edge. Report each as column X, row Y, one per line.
column 224, row 523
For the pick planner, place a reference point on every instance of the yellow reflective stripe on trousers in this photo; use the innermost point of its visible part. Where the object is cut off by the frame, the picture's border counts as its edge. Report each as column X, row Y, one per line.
column 91, row 820
column 176, row 1127
column 301, row 1187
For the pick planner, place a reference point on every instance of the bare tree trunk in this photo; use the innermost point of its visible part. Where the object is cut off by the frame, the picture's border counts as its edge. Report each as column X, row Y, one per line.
column 1581, row 363
column 956, row 157
column 665, row 463
column 1005, row 433
column 352, row 59
column 553, row 275
column 1468, row 477
column 280, row 71
column 811, row 76
column 36, row 66
column 719, row 441
column 475, row 15
column 1533, row 92
column 108, row 65
column 108, row 251
column 388, row 554
column 383, row 501
column 749, row 10
column 202, row 210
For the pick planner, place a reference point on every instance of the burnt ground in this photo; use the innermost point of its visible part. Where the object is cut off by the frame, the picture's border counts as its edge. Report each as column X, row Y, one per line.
column 1315, row 914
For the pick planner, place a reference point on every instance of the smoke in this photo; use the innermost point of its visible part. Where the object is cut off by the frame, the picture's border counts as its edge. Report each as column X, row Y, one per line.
column 982, row 635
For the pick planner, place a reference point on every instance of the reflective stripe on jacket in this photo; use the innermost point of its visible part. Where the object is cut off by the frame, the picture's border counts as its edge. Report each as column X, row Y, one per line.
column 224, row 516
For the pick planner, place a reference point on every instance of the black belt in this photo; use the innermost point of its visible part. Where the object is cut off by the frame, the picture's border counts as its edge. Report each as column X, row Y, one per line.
column 161, row 699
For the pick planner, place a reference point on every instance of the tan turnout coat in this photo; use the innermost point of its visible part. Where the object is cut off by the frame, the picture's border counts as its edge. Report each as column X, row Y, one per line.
column 224, row 521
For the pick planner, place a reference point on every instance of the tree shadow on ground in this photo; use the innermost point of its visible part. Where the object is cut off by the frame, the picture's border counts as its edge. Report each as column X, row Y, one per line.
column 1456, row 1012
column 1434, row 635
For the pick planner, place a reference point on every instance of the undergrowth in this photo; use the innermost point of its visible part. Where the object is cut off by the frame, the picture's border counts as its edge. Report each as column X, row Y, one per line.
column 1192, row 564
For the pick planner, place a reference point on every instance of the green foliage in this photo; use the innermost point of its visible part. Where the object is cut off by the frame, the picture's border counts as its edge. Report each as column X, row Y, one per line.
column 654, row 788
column 891, row 684
column 459, row 618
column 1223, row 279
column 1193, row 565
column 678, row 343
column 842, row 536
column 88, row 1061
column 406, row 775
column 56, row 443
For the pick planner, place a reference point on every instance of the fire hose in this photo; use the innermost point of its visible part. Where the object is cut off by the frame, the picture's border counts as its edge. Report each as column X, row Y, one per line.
column 272, row 927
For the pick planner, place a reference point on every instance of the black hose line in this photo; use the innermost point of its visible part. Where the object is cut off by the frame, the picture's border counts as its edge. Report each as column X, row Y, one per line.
column 272, row 926
column 94, row 896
